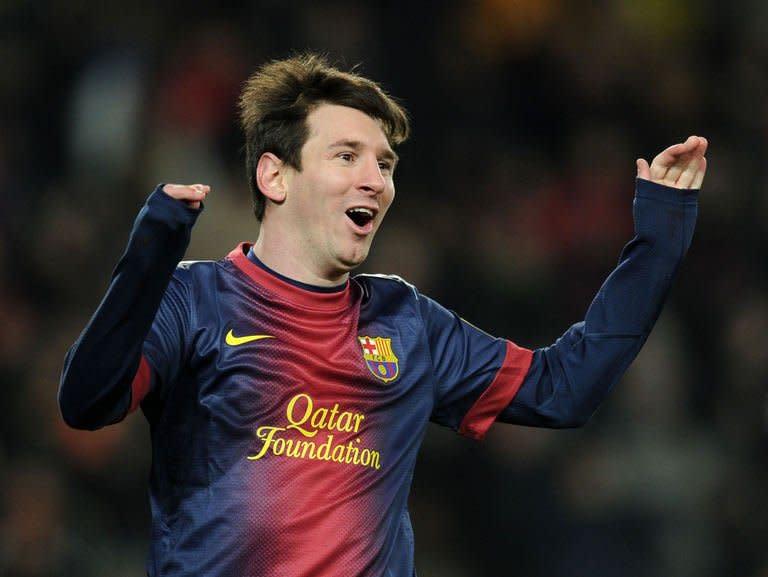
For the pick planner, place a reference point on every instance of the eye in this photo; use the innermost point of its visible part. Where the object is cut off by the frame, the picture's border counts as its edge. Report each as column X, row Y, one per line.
column 385, row 166
column 346, row 156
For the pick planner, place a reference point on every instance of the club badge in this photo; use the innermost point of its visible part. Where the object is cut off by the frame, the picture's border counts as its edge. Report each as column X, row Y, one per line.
column 381, row 360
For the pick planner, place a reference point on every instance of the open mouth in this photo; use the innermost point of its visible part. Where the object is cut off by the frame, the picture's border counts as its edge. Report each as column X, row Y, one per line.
column 360, row 216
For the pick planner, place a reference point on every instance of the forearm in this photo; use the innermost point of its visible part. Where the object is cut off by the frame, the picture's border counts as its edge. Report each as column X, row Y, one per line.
column 569, row 379
column 95, row 387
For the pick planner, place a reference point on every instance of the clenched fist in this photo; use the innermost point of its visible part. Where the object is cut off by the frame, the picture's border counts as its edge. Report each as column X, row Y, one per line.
column 192, row 194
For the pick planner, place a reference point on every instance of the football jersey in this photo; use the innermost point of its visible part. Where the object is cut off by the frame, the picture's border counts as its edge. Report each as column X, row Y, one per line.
column 286, row 420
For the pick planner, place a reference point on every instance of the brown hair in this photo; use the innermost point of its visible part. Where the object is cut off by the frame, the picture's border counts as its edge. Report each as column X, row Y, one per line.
column 277, row 99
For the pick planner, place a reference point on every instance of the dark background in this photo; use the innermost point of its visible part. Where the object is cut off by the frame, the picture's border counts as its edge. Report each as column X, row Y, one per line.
column 514, row 200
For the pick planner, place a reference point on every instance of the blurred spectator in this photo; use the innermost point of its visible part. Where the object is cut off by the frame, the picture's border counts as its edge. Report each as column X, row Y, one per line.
column 35, row 542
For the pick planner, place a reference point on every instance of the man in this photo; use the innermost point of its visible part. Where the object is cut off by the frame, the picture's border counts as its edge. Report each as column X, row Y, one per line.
column 287, row 400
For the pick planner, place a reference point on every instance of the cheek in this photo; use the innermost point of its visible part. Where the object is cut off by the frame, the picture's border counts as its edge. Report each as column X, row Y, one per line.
column 387, row 198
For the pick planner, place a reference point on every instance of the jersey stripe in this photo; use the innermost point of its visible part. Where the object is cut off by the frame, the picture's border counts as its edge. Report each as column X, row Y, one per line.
column 140, row 384
column 499, row 394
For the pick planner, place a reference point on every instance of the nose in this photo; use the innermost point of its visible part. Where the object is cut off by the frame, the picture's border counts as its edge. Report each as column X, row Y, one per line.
column 371, row 178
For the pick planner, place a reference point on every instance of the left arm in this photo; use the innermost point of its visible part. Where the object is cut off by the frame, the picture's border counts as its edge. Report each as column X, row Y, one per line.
column 569, row 379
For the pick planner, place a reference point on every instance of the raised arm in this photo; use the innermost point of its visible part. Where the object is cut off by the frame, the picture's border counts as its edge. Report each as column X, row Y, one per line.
column 569, row 379
column 100, row 367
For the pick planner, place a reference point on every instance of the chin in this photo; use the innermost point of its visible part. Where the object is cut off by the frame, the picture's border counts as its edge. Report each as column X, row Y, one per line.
column 351, row 256
column 349, row 266
column 351, row 263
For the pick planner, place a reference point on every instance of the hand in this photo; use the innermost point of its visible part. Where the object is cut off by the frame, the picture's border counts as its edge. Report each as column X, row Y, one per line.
column 192, row 194
column 681, row 165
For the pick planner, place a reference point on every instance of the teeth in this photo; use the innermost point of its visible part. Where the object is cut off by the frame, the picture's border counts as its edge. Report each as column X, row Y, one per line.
column 361, row 216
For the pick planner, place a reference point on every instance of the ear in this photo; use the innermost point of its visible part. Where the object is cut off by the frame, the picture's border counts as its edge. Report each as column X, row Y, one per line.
column 270, row 177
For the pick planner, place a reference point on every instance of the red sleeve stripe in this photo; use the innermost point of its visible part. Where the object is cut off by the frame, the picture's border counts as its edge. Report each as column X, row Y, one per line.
column 499, row 394
column 140, row 384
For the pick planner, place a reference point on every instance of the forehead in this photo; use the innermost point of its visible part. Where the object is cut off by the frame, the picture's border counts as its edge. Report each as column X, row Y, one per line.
column 330, row 123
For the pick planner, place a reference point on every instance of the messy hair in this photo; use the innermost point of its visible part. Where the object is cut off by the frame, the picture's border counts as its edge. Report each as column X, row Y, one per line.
column 279, row 96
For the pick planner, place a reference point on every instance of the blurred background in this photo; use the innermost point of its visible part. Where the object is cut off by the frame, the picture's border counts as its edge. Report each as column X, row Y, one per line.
column 514, row 200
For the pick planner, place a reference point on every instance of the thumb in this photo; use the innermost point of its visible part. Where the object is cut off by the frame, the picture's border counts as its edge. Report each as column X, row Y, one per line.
column 643, row 170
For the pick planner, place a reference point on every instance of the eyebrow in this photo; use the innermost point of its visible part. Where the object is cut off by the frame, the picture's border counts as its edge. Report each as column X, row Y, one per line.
column 356, row 145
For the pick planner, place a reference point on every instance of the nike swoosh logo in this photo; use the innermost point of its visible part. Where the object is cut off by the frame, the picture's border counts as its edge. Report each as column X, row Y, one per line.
column 234, row 341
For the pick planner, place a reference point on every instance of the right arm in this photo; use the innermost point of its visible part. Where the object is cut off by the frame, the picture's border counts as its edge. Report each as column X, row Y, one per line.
column 102, row 365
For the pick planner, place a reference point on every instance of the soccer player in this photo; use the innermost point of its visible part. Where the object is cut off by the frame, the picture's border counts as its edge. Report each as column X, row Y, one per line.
column 287, row 400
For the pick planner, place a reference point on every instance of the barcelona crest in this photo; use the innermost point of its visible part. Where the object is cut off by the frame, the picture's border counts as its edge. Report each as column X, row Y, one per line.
column 381, row 360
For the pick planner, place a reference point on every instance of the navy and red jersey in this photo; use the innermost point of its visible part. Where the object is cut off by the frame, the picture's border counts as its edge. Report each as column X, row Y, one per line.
column 286, row 419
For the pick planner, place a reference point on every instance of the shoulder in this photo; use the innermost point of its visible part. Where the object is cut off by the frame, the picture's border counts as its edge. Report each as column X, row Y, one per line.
column 391, row 294
column 195, row 284
column 385, row 284
column 190, row 268
column 192, row 273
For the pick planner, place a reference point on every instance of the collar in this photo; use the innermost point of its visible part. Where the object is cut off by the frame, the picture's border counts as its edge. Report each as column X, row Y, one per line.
column 302, row 294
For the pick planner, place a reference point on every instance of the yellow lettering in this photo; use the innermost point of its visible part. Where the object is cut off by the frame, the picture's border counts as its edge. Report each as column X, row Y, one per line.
column 300, row 412
column 344, row 422
column 307, row 446
column 338, row 454
column 348, row 458
column 292, row 448
column 265, row 434
column 325, row 455
column 296, row 423
column 332, row 420
column 318, row 418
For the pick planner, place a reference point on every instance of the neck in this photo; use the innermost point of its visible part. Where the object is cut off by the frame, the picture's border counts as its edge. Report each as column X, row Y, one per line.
column 278, row 257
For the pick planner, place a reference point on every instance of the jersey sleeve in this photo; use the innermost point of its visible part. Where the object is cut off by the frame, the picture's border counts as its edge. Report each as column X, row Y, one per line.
column 105, row 371
column 476, row 375
column 569, row 379
column 165, row 347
